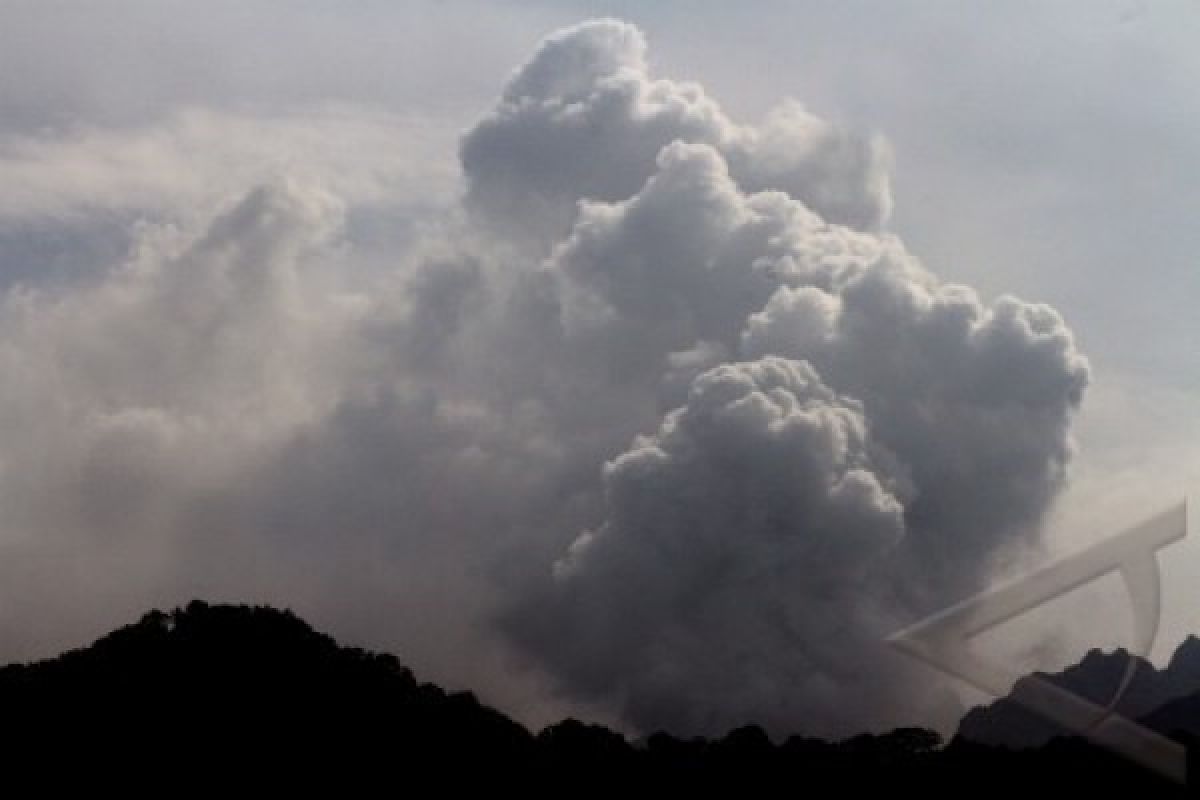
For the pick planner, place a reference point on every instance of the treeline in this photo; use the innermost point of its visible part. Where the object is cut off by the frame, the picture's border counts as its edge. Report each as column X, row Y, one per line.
column 235, row 697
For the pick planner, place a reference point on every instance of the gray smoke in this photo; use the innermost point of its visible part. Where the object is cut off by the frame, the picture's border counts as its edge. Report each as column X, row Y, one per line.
column 787, row 514
column 661, row 413
column 583, row 120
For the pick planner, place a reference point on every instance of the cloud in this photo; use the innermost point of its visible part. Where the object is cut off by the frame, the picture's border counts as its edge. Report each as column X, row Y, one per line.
column 739, row 539
column 583, row 119
column 77, row 194
column 660, row 413
column 975, row 400
column 960, row 412
column 135, row 394
column 200, row 155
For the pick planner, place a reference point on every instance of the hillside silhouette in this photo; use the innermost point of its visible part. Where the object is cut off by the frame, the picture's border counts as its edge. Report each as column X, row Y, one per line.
column 239, row 696
column 1096, row 677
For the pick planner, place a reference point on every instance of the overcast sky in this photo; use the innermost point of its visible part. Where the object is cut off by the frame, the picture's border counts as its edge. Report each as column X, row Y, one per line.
column 266, row 330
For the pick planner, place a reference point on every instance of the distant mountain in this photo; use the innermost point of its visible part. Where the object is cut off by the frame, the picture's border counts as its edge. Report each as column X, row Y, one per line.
column 1180, row 715
column 1009, row 723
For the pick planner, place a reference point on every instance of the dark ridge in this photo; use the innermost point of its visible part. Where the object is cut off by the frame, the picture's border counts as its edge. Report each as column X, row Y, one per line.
column 1008, row 723
column 240, row 699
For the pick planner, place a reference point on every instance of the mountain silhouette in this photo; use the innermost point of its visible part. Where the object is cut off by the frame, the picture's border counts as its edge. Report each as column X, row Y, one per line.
column 234, row 699
column 1181, row 715
column 1097, row 677
column 242, row 689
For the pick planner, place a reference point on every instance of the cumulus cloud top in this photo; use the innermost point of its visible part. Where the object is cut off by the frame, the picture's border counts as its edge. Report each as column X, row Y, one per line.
column 583, row 119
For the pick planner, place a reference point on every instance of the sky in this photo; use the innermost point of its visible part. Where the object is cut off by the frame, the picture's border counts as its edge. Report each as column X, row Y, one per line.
column 611, row 373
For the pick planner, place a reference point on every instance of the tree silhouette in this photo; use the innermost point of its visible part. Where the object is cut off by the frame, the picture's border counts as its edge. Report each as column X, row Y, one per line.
column 239, row 697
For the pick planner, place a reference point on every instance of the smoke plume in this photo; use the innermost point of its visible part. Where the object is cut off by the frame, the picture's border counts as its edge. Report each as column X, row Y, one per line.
column 660, row 410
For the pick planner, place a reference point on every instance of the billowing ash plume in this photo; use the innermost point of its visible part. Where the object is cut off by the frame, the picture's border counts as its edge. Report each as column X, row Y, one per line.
column 584, row 121
column 665, row 411
column 847, row 440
